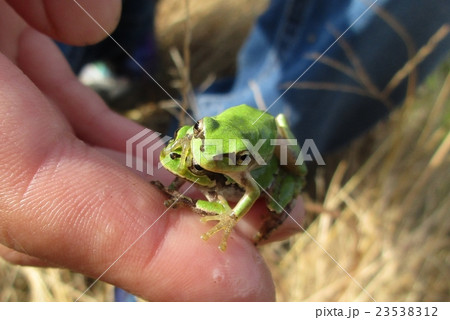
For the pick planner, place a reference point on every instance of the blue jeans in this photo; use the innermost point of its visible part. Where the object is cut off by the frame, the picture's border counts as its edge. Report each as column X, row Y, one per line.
column 341, row 95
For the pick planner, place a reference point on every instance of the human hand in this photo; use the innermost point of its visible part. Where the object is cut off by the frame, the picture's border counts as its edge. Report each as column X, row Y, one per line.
column 65, row 199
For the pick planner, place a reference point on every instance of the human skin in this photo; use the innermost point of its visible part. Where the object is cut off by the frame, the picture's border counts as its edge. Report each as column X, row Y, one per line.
column 66, row 197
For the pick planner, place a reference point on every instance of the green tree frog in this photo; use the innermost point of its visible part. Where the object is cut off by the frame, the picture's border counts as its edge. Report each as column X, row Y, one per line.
column 236, row 156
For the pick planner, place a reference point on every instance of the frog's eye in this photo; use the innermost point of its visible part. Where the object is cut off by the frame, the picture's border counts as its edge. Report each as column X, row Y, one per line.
column 197, row 169
column 243, row 158
column 174, row 155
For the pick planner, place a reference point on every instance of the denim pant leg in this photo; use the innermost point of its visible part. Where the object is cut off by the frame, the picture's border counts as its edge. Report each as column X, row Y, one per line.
column 337, row 102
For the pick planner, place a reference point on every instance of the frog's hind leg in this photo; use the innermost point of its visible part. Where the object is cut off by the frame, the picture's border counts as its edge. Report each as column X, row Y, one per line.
column 269, row 225
column 279, row 201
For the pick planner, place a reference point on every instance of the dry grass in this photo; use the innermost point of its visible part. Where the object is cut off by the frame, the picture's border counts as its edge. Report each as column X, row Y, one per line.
column 392, row 232
column 36, row 284
column 217, row 31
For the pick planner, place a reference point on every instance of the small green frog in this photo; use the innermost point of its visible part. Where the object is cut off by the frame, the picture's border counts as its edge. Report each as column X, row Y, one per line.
column 237, row 156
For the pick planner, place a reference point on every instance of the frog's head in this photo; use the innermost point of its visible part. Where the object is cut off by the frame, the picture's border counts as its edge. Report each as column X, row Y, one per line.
column 176, row 157
column 223, row 147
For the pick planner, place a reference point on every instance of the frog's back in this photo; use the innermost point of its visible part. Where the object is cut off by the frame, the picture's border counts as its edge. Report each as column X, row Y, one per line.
column 249, row 122
column 242, row 122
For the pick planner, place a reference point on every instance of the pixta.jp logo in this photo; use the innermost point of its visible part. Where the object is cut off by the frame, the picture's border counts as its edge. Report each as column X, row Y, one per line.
column 143, row 146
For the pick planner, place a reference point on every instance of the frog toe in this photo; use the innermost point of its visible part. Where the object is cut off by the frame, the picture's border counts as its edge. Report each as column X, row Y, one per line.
column 226, row 223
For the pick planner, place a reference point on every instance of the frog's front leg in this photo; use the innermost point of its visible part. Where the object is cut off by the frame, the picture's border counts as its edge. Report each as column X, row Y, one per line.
column 227, row 217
